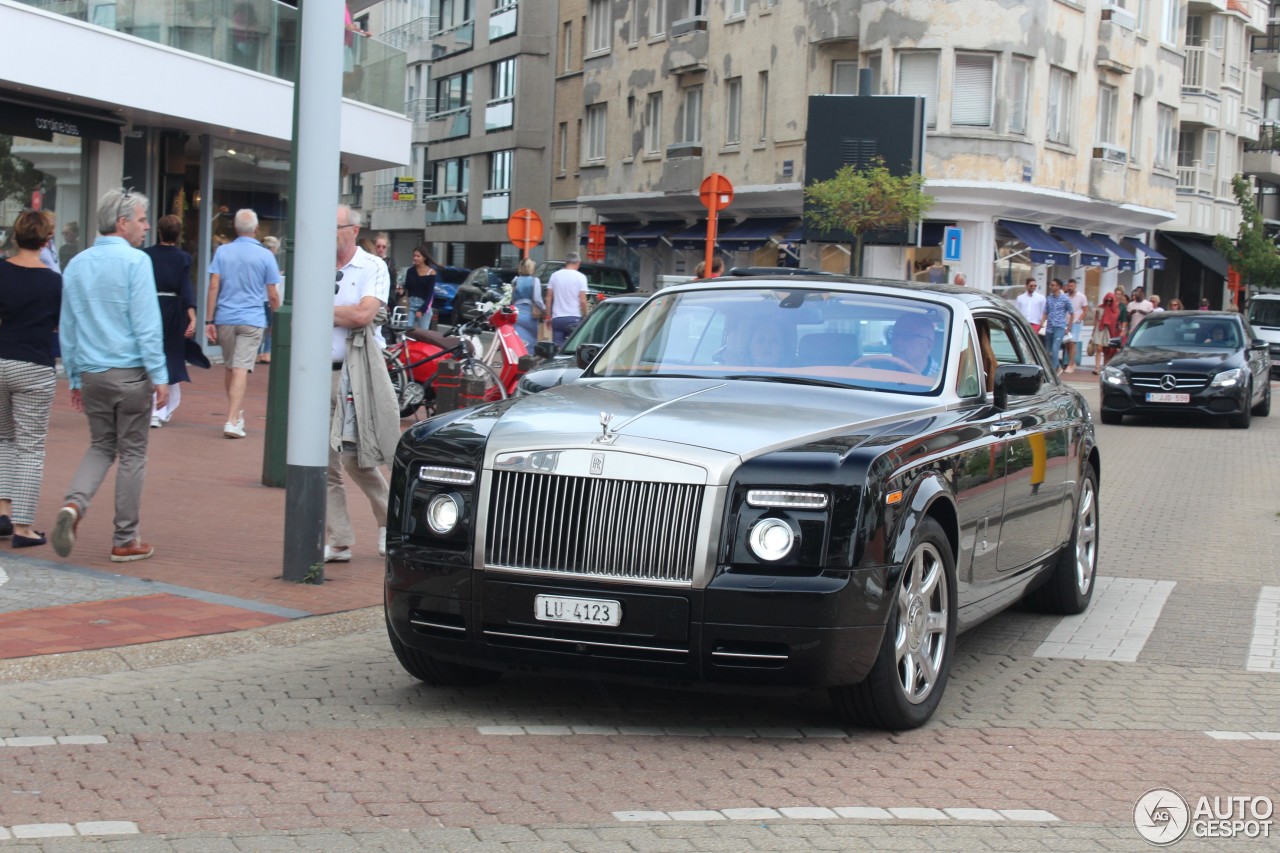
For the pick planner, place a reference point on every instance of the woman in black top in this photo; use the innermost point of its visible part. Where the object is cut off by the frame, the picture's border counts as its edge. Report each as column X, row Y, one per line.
column 172, row 268
column 420, row 284
column 30, row 300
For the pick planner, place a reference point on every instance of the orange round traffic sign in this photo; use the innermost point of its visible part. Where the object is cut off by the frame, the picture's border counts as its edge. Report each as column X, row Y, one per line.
column 716, row 192
column 524, row 228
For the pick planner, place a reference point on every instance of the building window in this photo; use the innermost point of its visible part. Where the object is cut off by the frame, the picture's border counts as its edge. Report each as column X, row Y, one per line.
column 504, row 79
column 1166, row 136
column 653, row 124
column 657, row 18
column 733, row 111
column 1108, row 108
column 566, row 46
column 762, row 105
column 735, row 9
column 1169, row 22
column 1019, row 79
column 596, row 132
column 844, row 77
column 563, row 146
column 599, row 25
column 1135, row 131
column 918, row 75
column 454, row 92
column 1061, row 91
column 500, row 170
column 974, row 90
column 872, row 62
column 689, row 118
column 453, row 13
column 453, row 177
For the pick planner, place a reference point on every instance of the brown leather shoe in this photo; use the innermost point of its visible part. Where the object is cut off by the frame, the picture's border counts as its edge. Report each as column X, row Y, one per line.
column 135, row 550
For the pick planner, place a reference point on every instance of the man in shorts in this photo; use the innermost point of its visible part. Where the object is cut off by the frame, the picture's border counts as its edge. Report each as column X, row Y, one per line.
column 243, row 279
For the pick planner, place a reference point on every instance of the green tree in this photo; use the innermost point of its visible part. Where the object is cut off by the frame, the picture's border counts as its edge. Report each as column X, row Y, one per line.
column 860, row 201
column 18, row 177
column 1253, row 253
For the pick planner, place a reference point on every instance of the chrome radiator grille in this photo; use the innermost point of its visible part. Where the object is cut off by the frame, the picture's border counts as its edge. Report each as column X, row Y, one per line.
column 593, row 527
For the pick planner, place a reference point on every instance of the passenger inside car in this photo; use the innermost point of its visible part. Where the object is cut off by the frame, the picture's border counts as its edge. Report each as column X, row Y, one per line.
column 758, row 343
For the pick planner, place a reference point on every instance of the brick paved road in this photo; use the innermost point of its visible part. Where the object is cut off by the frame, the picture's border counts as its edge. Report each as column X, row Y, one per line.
column 326, row 745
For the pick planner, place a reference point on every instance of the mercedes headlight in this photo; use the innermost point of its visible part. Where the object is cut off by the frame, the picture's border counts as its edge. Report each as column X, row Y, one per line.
column 1114, row 376
column 771, row 539
column 1229, row 378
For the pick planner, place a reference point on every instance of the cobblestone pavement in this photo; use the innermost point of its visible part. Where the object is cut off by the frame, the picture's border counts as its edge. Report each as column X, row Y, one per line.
column 299, row 738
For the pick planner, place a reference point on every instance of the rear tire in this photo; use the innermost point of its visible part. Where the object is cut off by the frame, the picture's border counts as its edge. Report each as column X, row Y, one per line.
column 438, row 673
column 1069, row 588
column 905, row 683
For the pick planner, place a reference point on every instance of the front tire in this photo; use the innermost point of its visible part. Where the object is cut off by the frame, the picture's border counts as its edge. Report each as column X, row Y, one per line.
column 910, row 672
column 1264, row 408
column 438, row 673
column 1069, row 588
column 1242, row 420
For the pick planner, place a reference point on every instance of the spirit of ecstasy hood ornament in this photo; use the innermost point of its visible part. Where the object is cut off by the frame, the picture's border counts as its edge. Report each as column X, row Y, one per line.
column 605, row 436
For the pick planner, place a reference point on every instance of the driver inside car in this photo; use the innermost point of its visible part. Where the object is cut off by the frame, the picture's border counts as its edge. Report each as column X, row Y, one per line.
column 912, row 342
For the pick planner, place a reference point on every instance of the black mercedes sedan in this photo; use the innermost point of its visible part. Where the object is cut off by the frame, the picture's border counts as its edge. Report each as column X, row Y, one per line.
column 1189, row 362
column 758, row 483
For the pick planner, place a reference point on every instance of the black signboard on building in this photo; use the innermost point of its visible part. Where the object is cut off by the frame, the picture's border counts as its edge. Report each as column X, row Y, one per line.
column 35, row 122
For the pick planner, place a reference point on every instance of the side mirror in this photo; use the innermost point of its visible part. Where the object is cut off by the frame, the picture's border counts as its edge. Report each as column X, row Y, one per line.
column 1116, row 343
column 586, row 353
column 1258, row 344
column 544, row 349
column 1020, row 379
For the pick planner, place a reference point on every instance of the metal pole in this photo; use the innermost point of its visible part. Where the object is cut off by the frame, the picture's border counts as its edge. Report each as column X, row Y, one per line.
column 314, row 210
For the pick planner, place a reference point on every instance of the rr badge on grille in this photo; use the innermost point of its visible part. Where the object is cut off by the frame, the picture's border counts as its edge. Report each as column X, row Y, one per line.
column 597, row 464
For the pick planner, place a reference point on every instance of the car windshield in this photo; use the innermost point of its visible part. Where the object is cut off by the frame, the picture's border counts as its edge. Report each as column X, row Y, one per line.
column 1265, row 312
column 1187, row 331
column 801, row 335
column 601, row 324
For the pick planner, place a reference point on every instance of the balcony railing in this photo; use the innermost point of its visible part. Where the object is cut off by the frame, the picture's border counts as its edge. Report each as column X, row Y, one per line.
column 258, row 35
column 499, row 114
column 1269, row 43
column 496, row 206
column 1195, row 179
column 1202, row 71
column 420, row 110
column 502, row 22
column 446, row 208
column 453, row 40
column 1268, row 140
column 407, row 35
column 450, row 124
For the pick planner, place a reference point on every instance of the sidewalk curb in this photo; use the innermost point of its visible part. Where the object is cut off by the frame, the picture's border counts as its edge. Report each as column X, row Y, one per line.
column 189, row 649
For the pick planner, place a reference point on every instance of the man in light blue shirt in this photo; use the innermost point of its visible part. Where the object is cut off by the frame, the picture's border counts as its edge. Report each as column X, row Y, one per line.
column 243, row 279
column 113, row 353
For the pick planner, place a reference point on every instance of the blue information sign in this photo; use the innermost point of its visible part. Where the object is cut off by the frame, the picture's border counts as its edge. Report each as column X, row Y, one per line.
column 951, row 237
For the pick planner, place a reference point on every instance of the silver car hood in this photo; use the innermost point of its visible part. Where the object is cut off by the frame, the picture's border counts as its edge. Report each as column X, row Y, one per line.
column 733, row 417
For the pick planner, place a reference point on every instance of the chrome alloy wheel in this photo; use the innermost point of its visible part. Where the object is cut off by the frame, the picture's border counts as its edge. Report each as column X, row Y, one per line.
column 1086, row 536
column 921, row 640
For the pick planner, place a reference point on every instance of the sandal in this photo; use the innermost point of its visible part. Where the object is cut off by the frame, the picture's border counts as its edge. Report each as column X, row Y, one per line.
column 20, row 541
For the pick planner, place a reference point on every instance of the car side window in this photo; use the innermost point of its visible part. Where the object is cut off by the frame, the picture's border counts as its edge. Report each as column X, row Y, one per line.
column 1033, row 354
column 968, row 379
column 1002, row 341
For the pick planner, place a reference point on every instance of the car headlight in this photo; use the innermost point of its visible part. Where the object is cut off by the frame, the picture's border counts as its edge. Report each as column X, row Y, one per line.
column 443, row 513
column 1228, row 378
column 771, row 539
column 1114, row 376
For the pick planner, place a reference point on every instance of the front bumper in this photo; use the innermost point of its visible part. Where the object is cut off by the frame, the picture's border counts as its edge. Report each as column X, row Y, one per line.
column 1215, row 402
column 779, row 632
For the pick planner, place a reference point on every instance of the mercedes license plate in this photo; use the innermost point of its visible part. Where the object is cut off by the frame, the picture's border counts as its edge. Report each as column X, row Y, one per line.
column 580, row 611
column 1168, row 398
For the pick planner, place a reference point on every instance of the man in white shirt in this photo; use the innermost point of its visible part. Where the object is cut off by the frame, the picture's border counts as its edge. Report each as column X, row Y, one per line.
column 1079, row 306
column 1031, row 304
column 567, row 298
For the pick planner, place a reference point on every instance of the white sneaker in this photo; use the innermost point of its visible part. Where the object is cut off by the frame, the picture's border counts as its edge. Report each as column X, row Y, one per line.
column 233, row 430
column 240, row 420
column 382, row 541
column 337, row 555
column 156, row 422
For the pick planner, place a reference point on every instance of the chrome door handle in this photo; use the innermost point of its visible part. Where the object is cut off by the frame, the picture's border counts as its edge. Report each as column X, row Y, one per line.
column 1005, row 427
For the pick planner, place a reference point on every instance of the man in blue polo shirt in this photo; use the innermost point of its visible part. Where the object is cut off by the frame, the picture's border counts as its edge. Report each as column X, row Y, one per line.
column 242, row 278
column 1058, row 311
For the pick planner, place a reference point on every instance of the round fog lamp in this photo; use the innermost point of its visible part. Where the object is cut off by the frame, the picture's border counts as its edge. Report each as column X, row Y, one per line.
column 771, row 539
column 443, row 513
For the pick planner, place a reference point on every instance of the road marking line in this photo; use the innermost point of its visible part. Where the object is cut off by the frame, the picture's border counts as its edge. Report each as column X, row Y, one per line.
column 848, row 812
column 1117, row 624
column 92, row 828
column 107, row 827
column 45, row 740
column 1264, row 651
column 4, row 577
column 1216, row 735
column 658, row 731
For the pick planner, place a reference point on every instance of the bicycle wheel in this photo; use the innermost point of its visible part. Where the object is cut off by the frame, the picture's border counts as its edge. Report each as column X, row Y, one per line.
column 409, row 394
column 475, row 369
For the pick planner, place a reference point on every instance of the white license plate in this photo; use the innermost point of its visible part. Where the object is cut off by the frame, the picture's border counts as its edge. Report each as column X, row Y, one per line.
column 580, row 611
column 1168, row 398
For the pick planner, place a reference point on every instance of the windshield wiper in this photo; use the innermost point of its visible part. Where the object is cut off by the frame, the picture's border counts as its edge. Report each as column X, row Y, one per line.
column 789, row 380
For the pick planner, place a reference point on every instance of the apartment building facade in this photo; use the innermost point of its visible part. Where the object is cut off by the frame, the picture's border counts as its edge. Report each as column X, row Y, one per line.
column 1054, row 128
column 190, row 103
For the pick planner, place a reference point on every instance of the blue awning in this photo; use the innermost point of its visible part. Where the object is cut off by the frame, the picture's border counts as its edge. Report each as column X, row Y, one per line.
column 1127, row 262
column 752, row 233
column 1091, row 254
column 1044, row 249
column 693, row 237
column 1154, row 260
column 612, row 231
column 795, row 235
column 647, row 236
